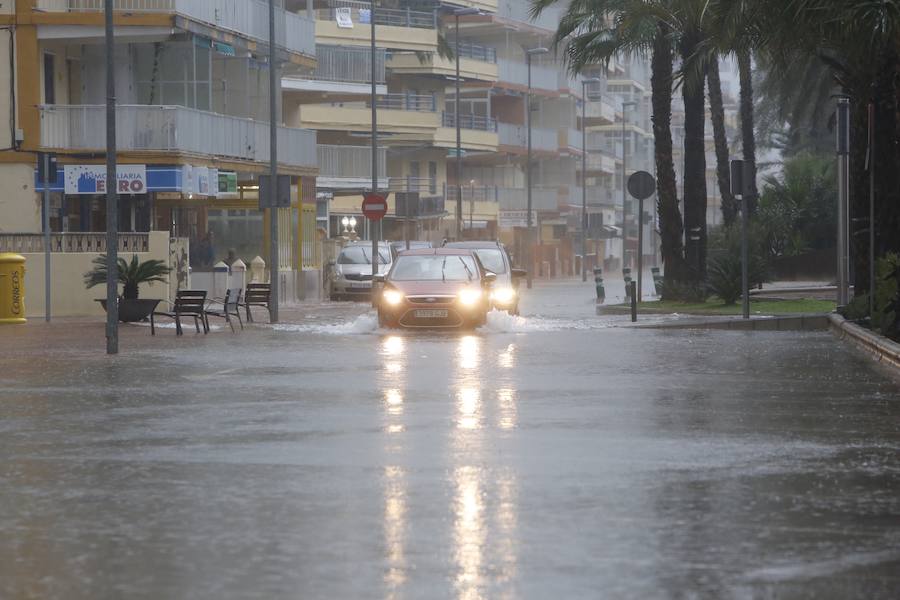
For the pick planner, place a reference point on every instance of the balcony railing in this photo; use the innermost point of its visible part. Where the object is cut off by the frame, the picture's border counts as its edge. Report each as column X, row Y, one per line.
column 32, row 243
column 173, row 129
column 478, row 193
column 520, row 10
column 413, row 102
column 542, row 77
column 517, row 135
column 348, row 64
column 361, row 13
column 542, row 198
column 477, row 52
column 476, row 122
column 349, row 162
column 249, row 18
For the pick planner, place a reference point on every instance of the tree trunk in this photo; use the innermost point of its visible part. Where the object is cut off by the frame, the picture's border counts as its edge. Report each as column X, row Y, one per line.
column 670, row 225
column 723, row 174
column 694, row 171
column 748, row 134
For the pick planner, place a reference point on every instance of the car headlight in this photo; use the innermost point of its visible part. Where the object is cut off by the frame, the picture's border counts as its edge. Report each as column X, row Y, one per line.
column 469, row 296
column 392, row 297
column 503, row 295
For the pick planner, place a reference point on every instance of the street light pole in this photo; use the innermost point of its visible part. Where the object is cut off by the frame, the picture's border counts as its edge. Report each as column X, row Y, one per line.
column 625, row 106
column 112, row 197
column 459, row 12
column 373, row 226
column 843, row 155
column 530, row 233
column 584, row 219
column 274, row 262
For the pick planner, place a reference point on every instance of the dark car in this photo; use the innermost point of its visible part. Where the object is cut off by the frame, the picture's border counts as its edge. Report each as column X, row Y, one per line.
column 435, row 288
column 505, row 293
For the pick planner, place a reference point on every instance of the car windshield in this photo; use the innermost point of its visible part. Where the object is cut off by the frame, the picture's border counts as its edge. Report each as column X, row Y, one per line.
column 492, row 259
column 448, row 267
column 360, row 255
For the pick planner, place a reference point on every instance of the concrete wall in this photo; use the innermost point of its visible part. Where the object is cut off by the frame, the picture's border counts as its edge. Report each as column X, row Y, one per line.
column 69, row 296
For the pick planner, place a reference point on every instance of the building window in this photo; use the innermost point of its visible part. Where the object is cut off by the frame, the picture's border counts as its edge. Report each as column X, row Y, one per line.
column 432, row 177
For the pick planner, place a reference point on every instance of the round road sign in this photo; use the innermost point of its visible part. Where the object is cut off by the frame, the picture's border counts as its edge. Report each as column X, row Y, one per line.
column 374, row 207
column 641, row 185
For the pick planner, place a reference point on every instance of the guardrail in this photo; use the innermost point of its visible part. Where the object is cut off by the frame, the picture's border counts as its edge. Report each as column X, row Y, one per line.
column 72, row 242
column 476, row 52
column 172, row 128
column 349, row 64
column 476, row 122
column 361, row 12
column 413, row 102
column 248, row 18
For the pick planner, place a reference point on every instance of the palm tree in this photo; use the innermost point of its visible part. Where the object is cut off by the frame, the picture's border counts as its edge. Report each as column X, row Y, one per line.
column 723, row 172
column 596, row 31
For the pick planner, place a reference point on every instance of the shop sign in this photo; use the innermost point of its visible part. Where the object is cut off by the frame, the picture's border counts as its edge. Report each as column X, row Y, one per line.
column 91, row 179
column 227, row 182
column 507, row 219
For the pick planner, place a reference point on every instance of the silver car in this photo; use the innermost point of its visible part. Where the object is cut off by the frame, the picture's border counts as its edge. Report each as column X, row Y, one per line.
column 351, row 273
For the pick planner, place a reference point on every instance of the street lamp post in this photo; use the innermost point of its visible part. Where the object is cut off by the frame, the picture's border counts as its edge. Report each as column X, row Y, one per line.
column 459, row 12
column 112, row 197
column 530, row 234
column 843, row 176
column 584, row 223
column 625, row 106
column 274, row 262
column 373, row 226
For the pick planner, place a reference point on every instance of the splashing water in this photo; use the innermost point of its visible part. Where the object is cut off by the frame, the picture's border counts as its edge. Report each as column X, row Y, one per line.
column 361, row 325
column 503, row 322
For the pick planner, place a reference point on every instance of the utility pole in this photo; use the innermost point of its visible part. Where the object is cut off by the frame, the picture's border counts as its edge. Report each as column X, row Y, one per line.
column 625, row 106
column 112, row 197
column 843, row 159
column 274, row 262
column 373, row 226
column 459, row 12
column 584, row 218
column 530, row 241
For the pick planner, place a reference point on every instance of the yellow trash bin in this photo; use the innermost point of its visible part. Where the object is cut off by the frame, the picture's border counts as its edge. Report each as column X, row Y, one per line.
column 12, row 288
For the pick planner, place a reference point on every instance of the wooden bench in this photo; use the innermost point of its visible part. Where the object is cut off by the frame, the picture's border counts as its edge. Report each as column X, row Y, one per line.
column 230, row 307
column 188, row 303
column 257, row 294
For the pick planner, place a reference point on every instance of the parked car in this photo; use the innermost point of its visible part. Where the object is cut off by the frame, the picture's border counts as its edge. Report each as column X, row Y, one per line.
column 435, row 288
column 505, row 293
column 400, row 246
column 351, row 273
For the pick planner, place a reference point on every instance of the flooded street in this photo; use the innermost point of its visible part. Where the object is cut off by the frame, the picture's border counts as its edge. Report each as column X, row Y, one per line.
column 556, row 454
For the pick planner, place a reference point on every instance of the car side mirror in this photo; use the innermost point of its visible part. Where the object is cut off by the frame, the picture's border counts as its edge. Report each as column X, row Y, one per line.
column 378, row 278
column 519, row 273
column 490, row 278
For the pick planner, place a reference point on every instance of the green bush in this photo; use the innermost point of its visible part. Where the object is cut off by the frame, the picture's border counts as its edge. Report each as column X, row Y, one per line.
column 886, row 318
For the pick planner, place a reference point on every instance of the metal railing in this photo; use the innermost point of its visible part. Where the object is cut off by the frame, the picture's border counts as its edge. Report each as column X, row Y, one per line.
column 520, row 10
column 517, row 135
column 477, row 52
column 360, row 13
column 347, row 63
column 476, row 122
column 351, row 162
column 423, row 185
column 248, row 18
column 478, row 193
column 512, row 71
column 173, row 128
column 413, row 102
column 72, row 242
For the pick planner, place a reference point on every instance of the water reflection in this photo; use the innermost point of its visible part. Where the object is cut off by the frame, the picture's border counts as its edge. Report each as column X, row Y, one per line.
column 507, row 409
column 395, row 509
column 468, row 402
column 469, row 532
column 507, row 358
column 469, row 352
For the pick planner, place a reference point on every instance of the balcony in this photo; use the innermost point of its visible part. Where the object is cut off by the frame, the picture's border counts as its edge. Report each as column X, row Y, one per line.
column 516, row 73
column 476, row 122
column 406, row 29
column 405, row 117
column 142, row 128
column 600, row 163
column 516, row 136
column 476, row 63
column 542, row 198
column 341, row 71
column 477, row 132
column 599, row 112
column 519, row 11
column 349, row 167
column 245, row 18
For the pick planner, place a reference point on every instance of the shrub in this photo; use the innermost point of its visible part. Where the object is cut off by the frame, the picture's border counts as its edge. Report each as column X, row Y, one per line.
column 724, row 271
column 886, row 317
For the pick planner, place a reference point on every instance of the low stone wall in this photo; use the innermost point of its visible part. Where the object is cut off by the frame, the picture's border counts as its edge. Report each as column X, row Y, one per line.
column 800, row 322
column 880, row 348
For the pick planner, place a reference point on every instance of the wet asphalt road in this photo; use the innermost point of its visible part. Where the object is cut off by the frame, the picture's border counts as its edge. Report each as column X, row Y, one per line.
column 554, row 456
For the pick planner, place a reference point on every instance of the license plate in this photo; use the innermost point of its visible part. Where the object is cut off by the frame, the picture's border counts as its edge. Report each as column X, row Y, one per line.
column 360, row 286
column 431, row 313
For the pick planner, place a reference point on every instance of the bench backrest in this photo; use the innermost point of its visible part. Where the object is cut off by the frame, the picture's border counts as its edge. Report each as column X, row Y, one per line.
column 258, row 292
column 190, row 301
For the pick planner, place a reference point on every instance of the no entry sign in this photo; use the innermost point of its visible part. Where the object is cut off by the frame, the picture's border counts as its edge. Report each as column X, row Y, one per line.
column 374, row 207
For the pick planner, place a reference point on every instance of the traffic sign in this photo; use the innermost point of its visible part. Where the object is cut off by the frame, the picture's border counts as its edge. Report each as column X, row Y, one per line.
column 641, row 185
column 374, row 206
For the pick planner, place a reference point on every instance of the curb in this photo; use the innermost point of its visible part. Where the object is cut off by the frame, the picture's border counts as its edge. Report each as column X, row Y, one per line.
column 798, row 322
column 878, row 347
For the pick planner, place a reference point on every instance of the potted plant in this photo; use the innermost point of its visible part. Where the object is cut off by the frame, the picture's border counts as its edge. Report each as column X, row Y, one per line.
column 131, row 275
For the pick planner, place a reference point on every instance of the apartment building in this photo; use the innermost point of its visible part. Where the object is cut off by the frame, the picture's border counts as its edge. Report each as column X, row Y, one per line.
column 416, row 114
column 192, row 122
